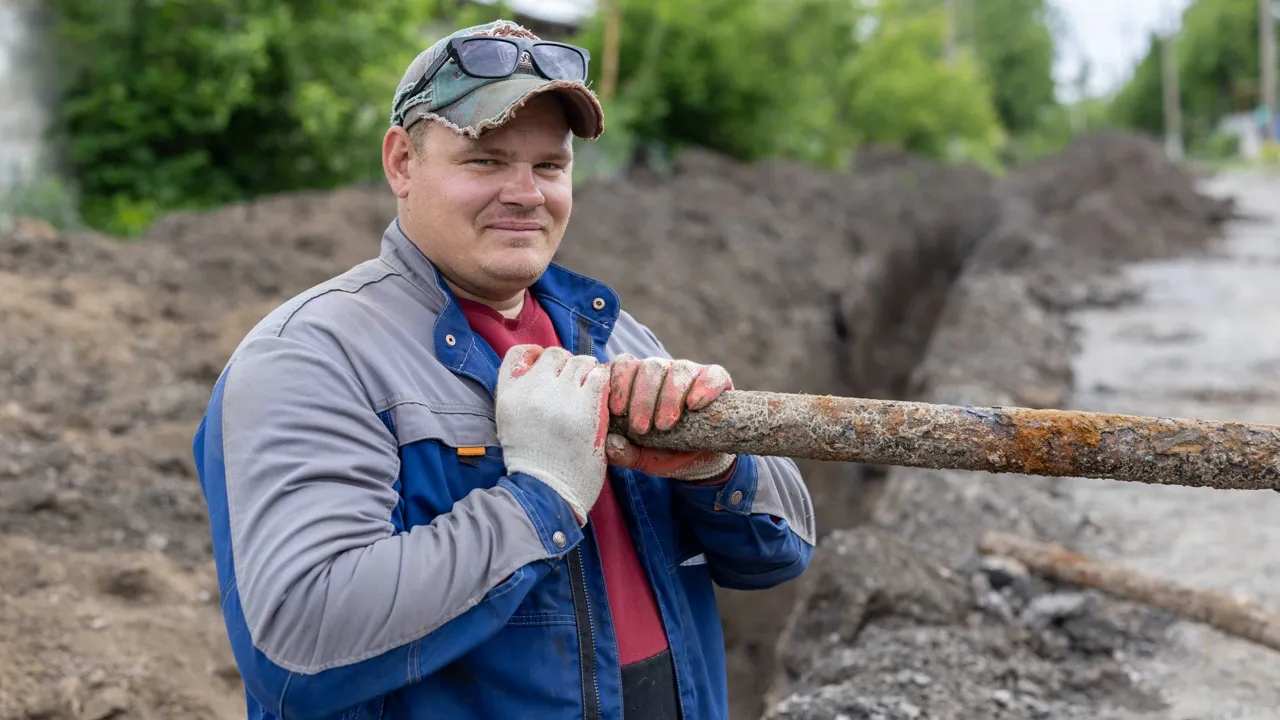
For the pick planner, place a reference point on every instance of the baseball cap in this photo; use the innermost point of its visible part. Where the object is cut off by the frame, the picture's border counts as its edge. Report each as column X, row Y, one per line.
column 474, row 106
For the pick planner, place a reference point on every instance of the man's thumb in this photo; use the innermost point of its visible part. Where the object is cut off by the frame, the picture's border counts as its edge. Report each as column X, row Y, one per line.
column 621, row 451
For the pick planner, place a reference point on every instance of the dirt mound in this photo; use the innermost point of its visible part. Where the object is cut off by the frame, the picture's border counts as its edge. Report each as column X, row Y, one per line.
column 1115, row 196
column 796, row 280
column 91, row 636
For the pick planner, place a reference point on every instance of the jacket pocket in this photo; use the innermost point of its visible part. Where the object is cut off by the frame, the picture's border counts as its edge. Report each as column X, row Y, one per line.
column 550, row 602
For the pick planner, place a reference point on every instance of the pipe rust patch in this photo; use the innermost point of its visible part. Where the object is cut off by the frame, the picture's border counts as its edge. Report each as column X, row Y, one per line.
column 1049, row 440
column 829, row 408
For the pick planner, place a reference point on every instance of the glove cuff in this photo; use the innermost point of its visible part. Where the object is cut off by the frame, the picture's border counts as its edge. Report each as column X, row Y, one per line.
column 711, row 470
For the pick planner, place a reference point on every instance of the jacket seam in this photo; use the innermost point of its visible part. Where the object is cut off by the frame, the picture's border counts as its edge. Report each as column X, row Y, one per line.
column 439, row 408
column 411, row 278
column 284, row 322
column 643, row 513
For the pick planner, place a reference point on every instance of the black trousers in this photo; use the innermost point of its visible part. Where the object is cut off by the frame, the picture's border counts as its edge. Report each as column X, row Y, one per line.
column 649, row 689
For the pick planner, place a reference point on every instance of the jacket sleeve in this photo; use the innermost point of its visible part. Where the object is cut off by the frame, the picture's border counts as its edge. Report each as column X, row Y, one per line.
column 326, row 605
column 757, row 527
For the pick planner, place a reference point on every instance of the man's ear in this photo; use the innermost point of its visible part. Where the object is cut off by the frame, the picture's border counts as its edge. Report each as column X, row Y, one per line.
column 397, row 152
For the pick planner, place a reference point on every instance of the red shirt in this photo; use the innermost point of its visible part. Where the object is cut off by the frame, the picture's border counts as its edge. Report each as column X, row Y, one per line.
column 631, row 600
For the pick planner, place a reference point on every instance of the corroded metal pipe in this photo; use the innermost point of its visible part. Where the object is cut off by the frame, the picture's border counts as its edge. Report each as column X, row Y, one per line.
column 1061, row 443
column 1225, row 612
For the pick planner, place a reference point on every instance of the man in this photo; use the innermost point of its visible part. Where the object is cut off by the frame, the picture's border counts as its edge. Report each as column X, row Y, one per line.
column 417, row 510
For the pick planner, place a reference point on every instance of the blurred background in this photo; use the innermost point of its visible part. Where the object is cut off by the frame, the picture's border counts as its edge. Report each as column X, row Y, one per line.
column 113, row 112
column 1039, row 203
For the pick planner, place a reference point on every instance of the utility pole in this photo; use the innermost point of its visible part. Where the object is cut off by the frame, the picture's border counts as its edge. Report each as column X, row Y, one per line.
column 1267, row 55
column 952, row 22
column 952, row 55
column 1172, row 93
column 612, row 41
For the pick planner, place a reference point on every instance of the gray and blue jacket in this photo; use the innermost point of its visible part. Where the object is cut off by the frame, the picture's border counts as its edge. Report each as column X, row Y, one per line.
column 375, row 559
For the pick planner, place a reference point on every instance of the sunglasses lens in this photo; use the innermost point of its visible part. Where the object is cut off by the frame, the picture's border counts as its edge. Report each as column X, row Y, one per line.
column 561, row 63
column 488, row 58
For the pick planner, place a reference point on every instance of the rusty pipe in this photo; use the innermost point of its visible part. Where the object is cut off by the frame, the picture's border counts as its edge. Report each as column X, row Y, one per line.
column 1061, row 443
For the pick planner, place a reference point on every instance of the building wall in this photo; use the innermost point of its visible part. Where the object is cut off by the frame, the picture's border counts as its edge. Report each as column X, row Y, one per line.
column 27, row 90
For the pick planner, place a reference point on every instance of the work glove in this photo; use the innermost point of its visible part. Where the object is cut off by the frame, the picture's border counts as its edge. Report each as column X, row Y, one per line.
column 552, row 415
column 654, row 393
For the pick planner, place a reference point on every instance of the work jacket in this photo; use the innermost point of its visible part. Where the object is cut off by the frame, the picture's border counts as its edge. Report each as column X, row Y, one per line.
column 376, row 560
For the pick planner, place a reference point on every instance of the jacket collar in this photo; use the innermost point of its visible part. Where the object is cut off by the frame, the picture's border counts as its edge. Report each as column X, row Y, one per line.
column 575, row 303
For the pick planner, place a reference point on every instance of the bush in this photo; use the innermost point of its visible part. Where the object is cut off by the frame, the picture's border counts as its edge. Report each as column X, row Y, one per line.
column 43, row 197
column 1221, row 146
column 810, row 80
column 174, row 104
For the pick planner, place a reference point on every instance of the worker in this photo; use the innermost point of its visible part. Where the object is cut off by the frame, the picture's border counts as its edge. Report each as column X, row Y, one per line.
column 417, row 507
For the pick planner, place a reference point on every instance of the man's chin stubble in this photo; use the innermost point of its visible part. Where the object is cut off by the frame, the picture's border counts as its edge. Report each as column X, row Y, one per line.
column 521, row 273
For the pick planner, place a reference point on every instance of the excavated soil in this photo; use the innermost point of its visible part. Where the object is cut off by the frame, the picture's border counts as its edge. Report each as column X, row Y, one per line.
column 899, row 618
column 902, row 279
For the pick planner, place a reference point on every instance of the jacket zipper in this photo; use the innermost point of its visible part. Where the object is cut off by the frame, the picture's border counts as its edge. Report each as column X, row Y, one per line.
column 586, row 636
column 581, row 601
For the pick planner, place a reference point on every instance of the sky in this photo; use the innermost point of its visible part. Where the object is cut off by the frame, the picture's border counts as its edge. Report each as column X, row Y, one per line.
column 1112, row 34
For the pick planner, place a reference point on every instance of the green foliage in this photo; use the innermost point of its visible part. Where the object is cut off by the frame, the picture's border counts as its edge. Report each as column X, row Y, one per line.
column 1218, row 146
column 807, row 79
column 718, row 73
column 1218, row 65
column 902, row 94
column 1014, row 44
column 190, row 103
column 173, row 104
column 43, row 197
column 1055, row 129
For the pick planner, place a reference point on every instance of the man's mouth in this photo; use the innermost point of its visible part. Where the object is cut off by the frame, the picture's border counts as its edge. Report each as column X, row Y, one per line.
column 517, row 225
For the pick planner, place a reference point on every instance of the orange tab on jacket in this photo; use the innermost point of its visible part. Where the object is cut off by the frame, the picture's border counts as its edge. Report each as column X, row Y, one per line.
column 471, row 451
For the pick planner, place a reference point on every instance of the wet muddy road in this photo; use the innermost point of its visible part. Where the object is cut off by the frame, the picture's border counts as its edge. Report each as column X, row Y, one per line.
column 1203, row 342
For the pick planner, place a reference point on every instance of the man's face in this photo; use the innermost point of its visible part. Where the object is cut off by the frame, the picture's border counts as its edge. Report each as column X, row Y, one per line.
column 490, row 213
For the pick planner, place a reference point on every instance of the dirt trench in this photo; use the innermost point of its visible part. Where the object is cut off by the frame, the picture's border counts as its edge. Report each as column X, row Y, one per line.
column 795, row 280
column 898, row 618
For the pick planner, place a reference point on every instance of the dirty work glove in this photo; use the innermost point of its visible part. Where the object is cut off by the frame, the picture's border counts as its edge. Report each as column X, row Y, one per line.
column 551, row 409
column 654, row 393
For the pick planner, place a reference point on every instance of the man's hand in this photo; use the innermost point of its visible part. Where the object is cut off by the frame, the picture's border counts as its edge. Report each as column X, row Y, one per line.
column 654, row 393
column 552, row 414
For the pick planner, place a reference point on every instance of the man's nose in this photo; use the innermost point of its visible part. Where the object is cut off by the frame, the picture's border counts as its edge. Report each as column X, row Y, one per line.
column 521, row 187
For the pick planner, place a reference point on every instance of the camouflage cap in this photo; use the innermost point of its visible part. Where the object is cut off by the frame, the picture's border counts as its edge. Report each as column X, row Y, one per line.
column 474, row 106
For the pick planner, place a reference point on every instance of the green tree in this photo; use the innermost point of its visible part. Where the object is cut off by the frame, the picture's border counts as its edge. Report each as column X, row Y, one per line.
column 809, row 79
column 1014, row 44
column 189, row 103
column 1218, row 71
column 729, row 75
column 902, row 92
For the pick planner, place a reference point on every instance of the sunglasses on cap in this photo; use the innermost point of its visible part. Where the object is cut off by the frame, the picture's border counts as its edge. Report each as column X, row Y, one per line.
column 498, row 57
